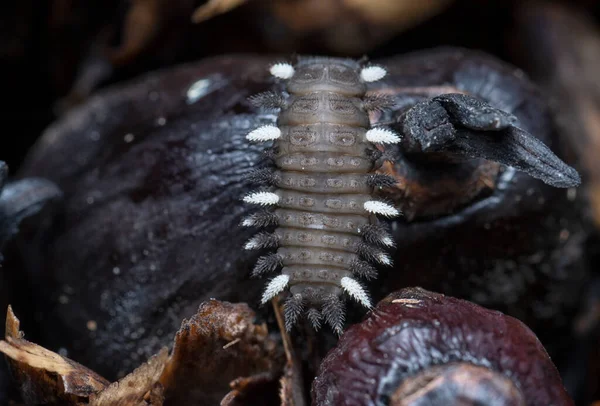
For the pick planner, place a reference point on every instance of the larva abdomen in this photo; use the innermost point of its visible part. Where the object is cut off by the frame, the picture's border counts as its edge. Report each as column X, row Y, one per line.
column 323, row 203
column 323, row 162
column 322, row 189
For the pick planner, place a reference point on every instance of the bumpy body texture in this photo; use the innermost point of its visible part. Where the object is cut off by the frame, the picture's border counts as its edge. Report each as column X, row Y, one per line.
column 322, row 212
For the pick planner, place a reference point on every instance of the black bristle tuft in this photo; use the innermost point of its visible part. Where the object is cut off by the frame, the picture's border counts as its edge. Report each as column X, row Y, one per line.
column 264, row 176
column 373, row 254
column 377, row 234
column 375, row 154
column 270, row 153
column 388, row 156
column 267, row 264
column 363, row 269
column 315, row 318
column 381, row 180
column 292, row 309
column 333, row 310
column 368, row 251
column 261, row 219
column 262, row 240
column 268, row 100
column 378, row 102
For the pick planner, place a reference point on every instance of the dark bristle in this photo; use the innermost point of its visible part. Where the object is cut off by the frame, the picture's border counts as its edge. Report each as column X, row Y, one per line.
column 267, row 264
column 265, row 176
column 377, row 234
column 388, row 156
column 261, row 219
column 263, row 240
column 315, row 318
column 270, row 153
column 333, row 310
column 292, row 309
column 369, row 252
column 363, row 269
column 375, row 154
column 268, row 100
column 381, row 180
column 378, row 102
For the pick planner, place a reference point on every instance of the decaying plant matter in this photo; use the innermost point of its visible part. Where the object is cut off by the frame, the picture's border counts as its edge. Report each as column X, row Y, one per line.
column 219, row 354
column 151, row 174
column 174, row 157
column 416, row 348
column 44, row 376
column 422, row 348
column 561, row 48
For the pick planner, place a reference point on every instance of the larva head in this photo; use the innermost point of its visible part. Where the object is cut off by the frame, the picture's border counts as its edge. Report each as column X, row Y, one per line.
column 342, row 76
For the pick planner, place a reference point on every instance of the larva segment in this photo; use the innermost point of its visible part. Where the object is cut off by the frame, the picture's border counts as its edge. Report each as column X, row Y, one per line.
column 326, row 237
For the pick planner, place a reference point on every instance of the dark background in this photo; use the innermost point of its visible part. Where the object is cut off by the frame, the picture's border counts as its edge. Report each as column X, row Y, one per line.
column 44, row 45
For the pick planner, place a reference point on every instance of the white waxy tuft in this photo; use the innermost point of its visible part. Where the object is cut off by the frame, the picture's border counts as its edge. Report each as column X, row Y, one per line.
column 282, row 70
column 372, row 73
column 274, row 287
column 262, row 198
column 248, row 222
column 382, row 136
column 373, row 206
column 384, row 259
column 252, row 244
column 387, row 241
column 264, row 133
column 354, row 289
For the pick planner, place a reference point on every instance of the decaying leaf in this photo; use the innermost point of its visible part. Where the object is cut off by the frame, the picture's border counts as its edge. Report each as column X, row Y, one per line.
column 217, row 351
column 44, row 376
column 132, row 389
column 215, row 7
column 346, row 26
column 254, row 390
column 301, row 15
column 141, row 26
column 216, row 346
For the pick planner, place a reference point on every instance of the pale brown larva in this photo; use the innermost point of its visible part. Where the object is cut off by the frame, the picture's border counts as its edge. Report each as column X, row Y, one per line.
column 325, row 228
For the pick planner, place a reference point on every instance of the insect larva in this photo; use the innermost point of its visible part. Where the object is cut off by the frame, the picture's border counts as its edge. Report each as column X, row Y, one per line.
column 322, row 183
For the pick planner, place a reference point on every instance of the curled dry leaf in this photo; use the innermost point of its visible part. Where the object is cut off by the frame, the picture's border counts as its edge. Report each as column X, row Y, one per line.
column 138, row 388
column 44, row 376
column 218, row 345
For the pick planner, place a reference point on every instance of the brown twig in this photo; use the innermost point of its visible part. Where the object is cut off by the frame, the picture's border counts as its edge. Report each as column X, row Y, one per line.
column 292, row 385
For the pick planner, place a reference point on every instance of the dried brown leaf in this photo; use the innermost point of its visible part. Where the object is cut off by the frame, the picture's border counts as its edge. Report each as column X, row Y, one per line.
column 141, row 27
column 132, row 389
column 44, row 376
column 155, row 397
column 216, row 346
column 256, row 389
column 215, row 7
column 318, row 14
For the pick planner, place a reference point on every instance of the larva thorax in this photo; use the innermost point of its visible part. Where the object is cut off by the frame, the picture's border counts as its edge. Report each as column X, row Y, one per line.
column 322, row 189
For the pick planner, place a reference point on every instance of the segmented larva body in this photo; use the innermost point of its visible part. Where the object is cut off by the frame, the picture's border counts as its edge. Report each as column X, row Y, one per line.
column 323, row 209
